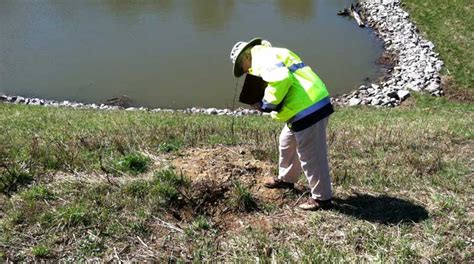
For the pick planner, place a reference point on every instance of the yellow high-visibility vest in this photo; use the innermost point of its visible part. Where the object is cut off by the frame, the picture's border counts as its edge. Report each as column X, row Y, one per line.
column 293, row 90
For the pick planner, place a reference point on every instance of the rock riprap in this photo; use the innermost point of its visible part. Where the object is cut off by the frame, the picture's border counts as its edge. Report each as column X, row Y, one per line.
column 194, row 110
column 416, row 64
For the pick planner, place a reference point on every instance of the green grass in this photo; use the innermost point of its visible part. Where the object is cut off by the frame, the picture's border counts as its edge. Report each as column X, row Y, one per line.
column 409, row 166
column 200, row 223
column 11, row 178
column 38, row 192
column 243, row 198
column 40, row 251
column 134, row 163
column 165, row 187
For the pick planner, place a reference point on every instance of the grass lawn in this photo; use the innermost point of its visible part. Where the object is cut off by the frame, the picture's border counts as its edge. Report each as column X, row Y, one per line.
column 108, row 185
column 81, row 185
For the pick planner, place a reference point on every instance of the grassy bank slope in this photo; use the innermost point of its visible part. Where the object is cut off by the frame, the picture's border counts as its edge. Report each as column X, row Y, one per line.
column 84, row 184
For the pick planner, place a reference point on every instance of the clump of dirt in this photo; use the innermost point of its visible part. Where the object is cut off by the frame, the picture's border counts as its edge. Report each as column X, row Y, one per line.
column 221, row 164
column 215, row 173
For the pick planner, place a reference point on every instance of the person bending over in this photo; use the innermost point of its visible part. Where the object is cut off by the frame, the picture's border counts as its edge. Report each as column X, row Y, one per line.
column 297, row 96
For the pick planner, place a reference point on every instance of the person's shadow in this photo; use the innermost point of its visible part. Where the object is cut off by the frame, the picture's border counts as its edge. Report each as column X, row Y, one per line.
column 380, row 209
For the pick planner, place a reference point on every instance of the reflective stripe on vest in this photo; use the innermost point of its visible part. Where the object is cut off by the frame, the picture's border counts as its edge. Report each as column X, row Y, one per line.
column 293, row 67
column 315, row 107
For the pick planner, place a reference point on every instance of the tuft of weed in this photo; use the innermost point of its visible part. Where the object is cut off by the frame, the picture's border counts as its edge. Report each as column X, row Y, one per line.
column 168, row 147
column 170, row 176
column 11, row 179
column 138, row 189
column 73, row 215
column 162, row 190
column 269, row 208
column 40, row 251
column 47, row 219
column 39, row 192
column 164, row 193
column 139, row 223
column 201, row 223
column 165, row 186
column 134, row 163
column 242, row 198
column 139, row 228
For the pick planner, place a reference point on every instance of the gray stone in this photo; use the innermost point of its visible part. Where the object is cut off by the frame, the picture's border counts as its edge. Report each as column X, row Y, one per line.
column 375, row 101
column 439, row 65
column 429, row 70
column 432, row 87
column 354, row 101
column 17, row 99
column 211, row 111
column 414, row 76
column 403, row 94
column 35, row 102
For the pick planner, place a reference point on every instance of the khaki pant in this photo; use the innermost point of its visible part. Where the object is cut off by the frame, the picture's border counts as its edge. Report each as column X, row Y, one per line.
column 306, row 150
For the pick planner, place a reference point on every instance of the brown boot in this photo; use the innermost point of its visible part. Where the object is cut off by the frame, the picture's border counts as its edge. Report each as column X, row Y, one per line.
column 313, row 205
column 275, row 183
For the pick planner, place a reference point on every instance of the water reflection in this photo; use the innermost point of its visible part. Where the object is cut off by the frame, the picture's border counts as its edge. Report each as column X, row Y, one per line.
column 212, row 14
column 137, row 8
column 166, row 53
column 297, row 10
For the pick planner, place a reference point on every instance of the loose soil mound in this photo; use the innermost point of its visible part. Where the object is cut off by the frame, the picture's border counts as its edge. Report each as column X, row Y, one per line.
column 215, row 173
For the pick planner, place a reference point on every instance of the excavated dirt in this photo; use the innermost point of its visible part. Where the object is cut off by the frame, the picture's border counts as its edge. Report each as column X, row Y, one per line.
column 215, row 173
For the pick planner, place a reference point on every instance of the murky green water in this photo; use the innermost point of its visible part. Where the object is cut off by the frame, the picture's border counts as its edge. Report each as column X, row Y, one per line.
column 168, row 53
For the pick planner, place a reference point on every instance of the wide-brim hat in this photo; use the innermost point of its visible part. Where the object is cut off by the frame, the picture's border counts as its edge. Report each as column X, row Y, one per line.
column 236, row 52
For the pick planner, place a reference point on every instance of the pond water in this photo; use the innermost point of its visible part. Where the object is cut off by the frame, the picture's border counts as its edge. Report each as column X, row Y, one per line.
column 169, row 53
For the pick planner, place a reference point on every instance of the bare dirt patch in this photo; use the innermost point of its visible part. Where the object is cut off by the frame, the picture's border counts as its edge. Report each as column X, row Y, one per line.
column 215, row 172
column 454, row 93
